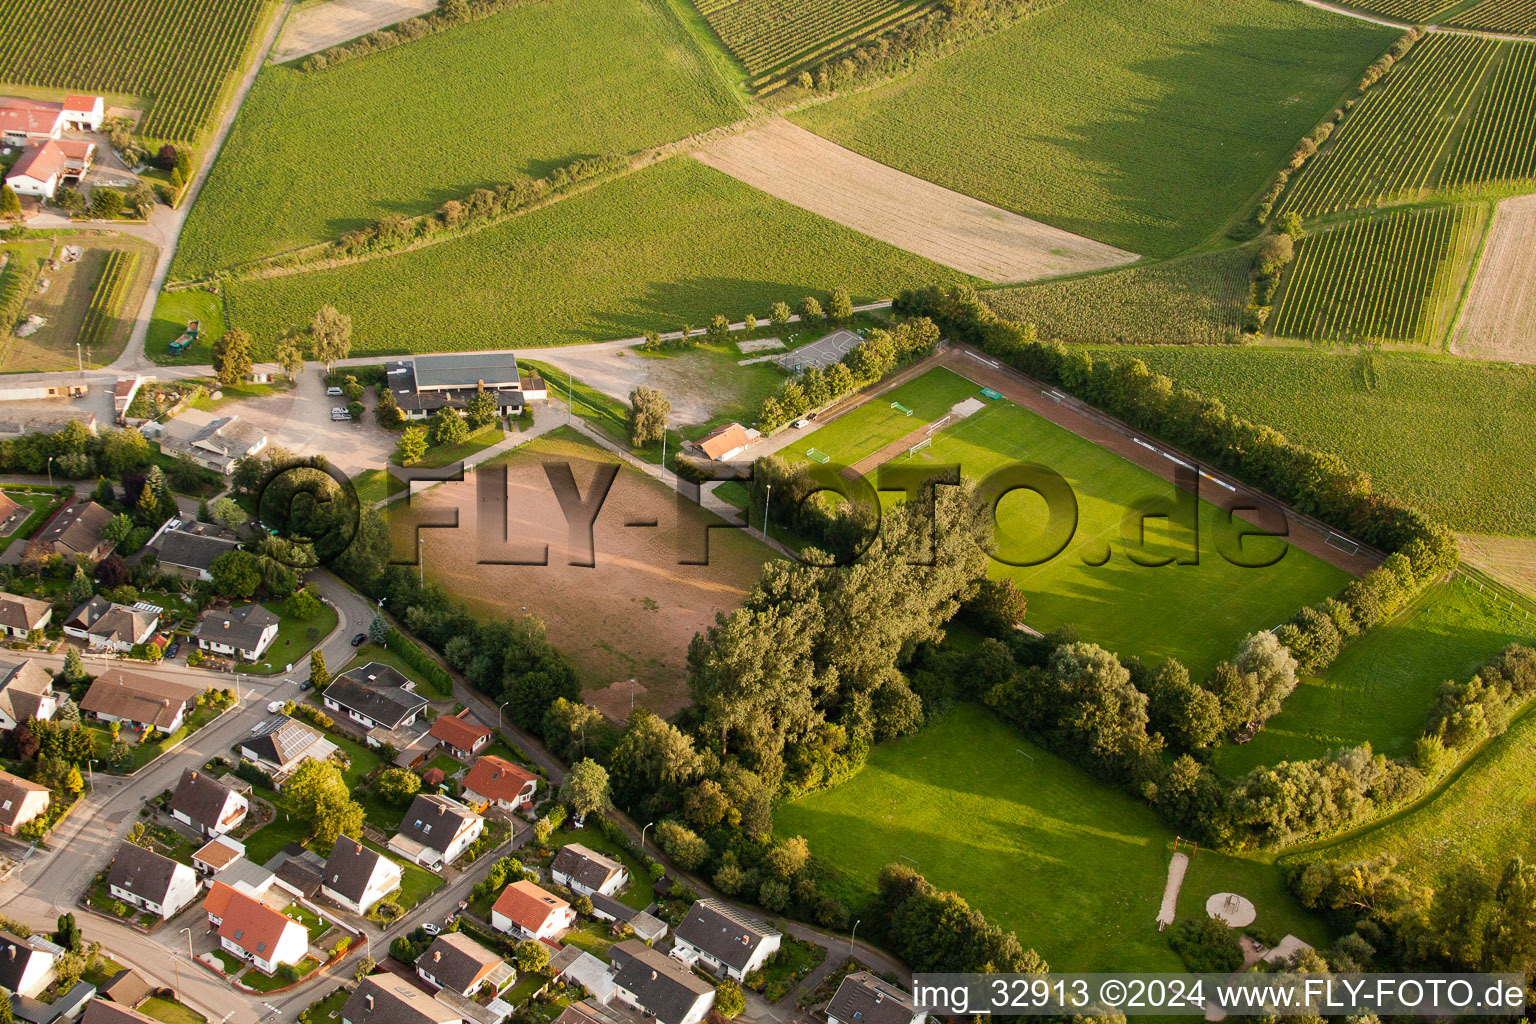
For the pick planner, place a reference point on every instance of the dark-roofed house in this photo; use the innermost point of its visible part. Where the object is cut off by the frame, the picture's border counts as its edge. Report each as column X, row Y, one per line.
column 388, row 999
column 141, row 701
column 574, row 964
column 585, row 870
column 150, row 882
column 126, row 988
column 717, row 937
column 436, row 830
column 279, row 745
column 24, row 971
column 19, row 616
column 647, row 929
column 212, row 440
column 188, row 549
column 459, row 964
column 862, row 998
column 424, row 384
column 76, row 531
column 655, row 984
column 26, row 693
column 108, row 624
column 253, row 931
column 21, row 800
column 102, row 1011
column 205, row 803
column 527, row 911
column 495, row 780
column 459, row 736
column 247, row 631
column 357, row 877
column 375, row 696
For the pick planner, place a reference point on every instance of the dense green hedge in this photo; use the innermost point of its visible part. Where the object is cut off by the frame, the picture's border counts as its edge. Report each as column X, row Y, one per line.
column 435, row 675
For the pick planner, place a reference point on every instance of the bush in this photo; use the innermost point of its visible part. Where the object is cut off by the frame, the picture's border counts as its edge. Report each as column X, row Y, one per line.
column 1207, row 946
column 421, row 661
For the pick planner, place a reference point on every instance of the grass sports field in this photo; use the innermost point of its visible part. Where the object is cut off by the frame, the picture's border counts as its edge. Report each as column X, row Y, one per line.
column 1075, row 867
column 173, row 57
column 1199, row 299
column 875, row 424
column 1382, row 685
column 1398, row 276
column 1455, row 116
column 1183, row 113
column 473, row 107
column 615, row 262
column 1484, row 812
column 1433, row 431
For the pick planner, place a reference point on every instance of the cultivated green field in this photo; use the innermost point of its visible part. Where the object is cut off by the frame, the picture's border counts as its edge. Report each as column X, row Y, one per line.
column 1485, row 812
column 1198, row 299
column 1380, row 689
column 1499, row 16
column 875, row 424
column 775, row 36
column 1455, row 115
column 175, row 57
column 1398, row 276
column 1195, row 613
column 1075, row 867
column 1444, row 434
column 1182, row 112
column 615, row 262
column 405, row 130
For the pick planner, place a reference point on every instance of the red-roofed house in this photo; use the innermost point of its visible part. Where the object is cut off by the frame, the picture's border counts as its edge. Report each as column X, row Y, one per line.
column 23, row 121
column 253, row 931
column 525, row 910
column 45, row 165
column 496, row 780
column 83, row 113
column 463, row 738
column 725, row 443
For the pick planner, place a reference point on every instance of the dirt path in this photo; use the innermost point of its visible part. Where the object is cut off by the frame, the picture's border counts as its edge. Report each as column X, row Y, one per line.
column 1499, row 320
column 324, row 25
column 942, row 225
column 1176, row 868
column 1377, row 19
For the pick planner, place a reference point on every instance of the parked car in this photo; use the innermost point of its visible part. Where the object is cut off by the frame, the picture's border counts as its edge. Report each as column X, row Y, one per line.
column 170, row 652
column 273, row 707
column 432, row 928
column 308, row 684
column 333, row 392
column 360, row 639
column 339, row 413
column 801, row 424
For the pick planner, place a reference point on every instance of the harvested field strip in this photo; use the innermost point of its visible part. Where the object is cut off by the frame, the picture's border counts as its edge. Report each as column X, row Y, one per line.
column 1198, row 299
column 178, row 54
column 788, row 162
column 1499, row 16
column 1499, row 321
column 1388, row 278
column 767, row 34
column 107, row 300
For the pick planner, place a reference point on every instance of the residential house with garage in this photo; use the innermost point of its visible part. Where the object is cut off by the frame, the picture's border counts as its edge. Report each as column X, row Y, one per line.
column 211, row 440
column 495, row 780
column 150, row 882
column 26, row 693
column 24, row 970
column 206, row 804
column 436, row 830
column 424, row 384
column 189, row 549
column 653, row 983
column 246, row 632
column 461, row 965
column 389, row 999
column 584, row 870
column 528, row 912
column 76, row 532
column 357, row 877
column 862, row 998
column 253, row 931
column 21, row 800
column 574, row 964
column 103, row 623
column 140, row 701
column 44, row 166
column 647, row 929
column 720, row 939
column 375, row 696
column 217, row 854
column 126, row 988
column 103, row 1011
column 459, row 736
column 20, row 616
column 279, row 745
column 26, row 120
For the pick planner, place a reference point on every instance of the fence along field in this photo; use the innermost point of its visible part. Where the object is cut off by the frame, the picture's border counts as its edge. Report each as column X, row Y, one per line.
column 1457, row 114
column 1394, row 277
column 775, row 36
column 177, row 55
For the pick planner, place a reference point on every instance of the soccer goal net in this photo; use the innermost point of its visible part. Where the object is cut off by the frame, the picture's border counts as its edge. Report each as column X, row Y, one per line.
column 817, row 455
column 901, row 408
column 921, row 446
column 937, row 424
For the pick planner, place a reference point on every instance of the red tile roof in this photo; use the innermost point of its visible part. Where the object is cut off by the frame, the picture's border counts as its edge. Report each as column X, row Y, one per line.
column 251, row 924
column 459, row 733
column 724, row 439
column 528, row 906
column 497, row 778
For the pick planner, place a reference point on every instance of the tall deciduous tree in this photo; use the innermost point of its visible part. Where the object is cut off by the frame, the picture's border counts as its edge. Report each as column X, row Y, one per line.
column 411, row 446
column 481, row 410
column 448, row 427
column 648, row 413
column 331, row 331
column 585, row 788
column 319, row 796
column 290, row 356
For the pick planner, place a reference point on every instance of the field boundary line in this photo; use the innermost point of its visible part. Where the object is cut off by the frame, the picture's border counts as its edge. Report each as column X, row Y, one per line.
column 1379, row 19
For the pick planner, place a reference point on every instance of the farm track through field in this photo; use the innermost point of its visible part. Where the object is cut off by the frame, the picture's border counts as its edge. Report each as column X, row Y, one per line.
column 1405, row 21
column 1499, row 320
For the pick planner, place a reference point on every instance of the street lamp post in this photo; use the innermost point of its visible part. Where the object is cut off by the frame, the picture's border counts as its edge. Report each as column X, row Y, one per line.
column 50, row 471
column 767, row 499
column 421, row 564
column 498, row 714
column 642, row 837
column 851, row 935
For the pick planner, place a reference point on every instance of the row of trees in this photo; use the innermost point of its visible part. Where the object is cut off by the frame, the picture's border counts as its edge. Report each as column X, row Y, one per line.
column 877, row 355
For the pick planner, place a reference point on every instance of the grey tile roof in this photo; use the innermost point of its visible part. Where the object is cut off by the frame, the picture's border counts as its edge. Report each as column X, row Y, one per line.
column 724, row 934
column 665, row 987
column 20, row 612
column 585, row 865
column 458, row 961
column 387, row 999
column 240, row 628
column 283, row 740
column 349, row 868
column 200, row 797
column 465, row 370
column 22, row 688
column 15, row 955
column 377, row 692
column 138, row 697
column 434, row 820
column 863, row 998
column 142, row 872
column 193, row 550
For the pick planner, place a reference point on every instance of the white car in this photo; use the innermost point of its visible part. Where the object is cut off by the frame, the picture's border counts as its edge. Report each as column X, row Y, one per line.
column 339, row 413
column 802, row 424
column 333, row 392
column 273, row 707
column 432, row 928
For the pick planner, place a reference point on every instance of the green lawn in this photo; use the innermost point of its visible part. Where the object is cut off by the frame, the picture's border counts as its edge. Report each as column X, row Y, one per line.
column 312, row 922
column 504, row 96
column 416, row 884
column 640, row 893
column 374, row 485
column 173, row 311
column 1075, row 867
column 613, row 262
column 232, row 965
column 478, row 441
column 1195, row 613
column 267, row 982
column 1380, row 689
column 293, row 642
column 1438, row 432
column 268, row 841
column 168, row 1011
column 324, row 1011
column 41, row 505
column 875, row 424
column 590, row 935
column 1145, row 125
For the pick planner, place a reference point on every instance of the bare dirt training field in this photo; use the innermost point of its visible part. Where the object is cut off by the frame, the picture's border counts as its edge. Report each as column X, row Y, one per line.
column 324, row 25
column 633, row 613
column 799, row 167
column 1500, row 319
